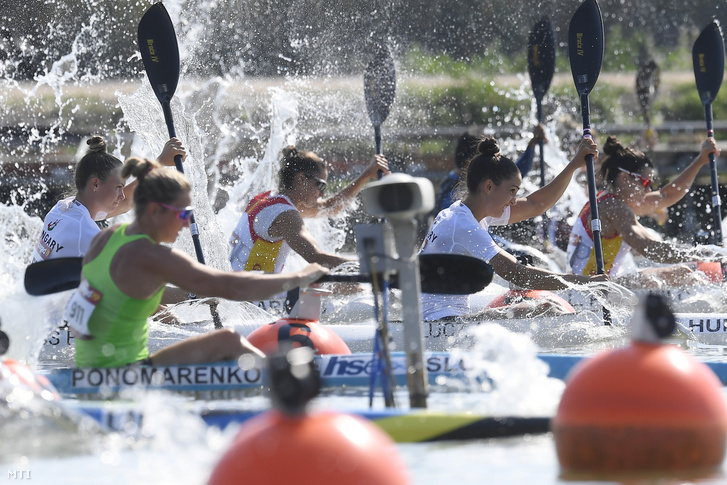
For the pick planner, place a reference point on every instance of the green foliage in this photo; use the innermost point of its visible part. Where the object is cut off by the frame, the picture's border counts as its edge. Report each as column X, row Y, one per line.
column 421, row 62
column 462, row 102
column 683, row 103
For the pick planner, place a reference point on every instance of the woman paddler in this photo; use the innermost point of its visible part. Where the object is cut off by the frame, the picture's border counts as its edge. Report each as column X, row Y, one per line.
column 101, row 193
column 127, row 267
column 629, row 176
column 272, row 224
column 493, row 182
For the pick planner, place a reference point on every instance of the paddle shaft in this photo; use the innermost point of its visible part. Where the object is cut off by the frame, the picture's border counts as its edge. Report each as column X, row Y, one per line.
column 379, row 150
column 541, row 143
column 593, row 199
column 716, row 200
column 194, row 229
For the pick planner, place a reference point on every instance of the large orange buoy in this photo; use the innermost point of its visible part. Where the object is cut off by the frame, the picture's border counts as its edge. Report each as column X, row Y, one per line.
column 535, row 296
column 289, row 445
column 299, row 332
column 324, row 448
column 647, row 408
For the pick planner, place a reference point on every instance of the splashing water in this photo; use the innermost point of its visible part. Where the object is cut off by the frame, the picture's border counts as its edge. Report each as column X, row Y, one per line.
column 497, row 352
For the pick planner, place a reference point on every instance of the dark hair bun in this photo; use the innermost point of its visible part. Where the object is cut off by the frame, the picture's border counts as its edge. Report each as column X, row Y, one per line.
column 488, row 147
column 612, row 146
column 96, row 144
column 290, row 152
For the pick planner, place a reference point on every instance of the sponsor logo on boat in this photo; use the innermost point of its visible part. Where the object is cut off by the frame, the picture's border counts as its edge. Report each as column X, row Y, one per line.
column 357, row 365
column 192, row 375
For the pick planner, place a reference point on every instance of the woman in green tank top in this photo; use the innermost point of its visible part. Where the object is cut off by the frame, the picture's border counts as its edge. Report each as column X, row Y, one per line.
column 127, row 268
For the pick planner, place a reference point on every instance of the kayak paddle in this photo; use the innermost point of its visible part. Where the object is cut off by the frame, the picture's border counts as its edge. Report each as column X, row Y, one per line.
column 440, row 273
column 541, row 66
column 585, row 49
column 160, row 53
column 708, row 57
column 379, row 90
column 647, row 84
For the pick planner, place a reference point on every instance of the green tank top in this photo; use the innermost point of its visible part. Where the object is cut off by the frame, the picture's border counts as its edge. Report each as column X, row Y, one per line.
column 119, row 323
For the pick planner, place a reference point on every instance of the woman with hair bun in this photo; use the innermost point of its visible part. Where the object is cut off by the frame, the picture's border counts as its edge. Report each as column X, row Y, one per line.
column 128, row 266
column 493, row 182
column 272, row 224
column 628, row 176
column 100, row 192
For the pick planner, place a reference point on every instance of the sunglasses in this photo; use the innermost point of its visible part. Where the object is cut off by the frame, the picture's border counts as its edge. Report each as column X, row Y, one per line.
column 320, row 183
column 184, row 213
column 646, row 182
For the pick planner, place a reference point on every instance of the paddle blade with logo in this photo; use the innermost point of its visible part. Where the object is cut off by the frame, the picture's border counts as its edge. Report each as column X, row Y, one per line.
column 541, row 57
column 585, row 46
column 708, row 56
column 159, row 51
column 379, row 85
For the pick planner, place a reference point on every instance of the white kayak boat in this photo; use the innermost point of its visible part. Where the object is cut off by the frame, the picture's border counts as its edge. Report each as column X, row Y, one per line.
column 337, row 371
column 571, row 331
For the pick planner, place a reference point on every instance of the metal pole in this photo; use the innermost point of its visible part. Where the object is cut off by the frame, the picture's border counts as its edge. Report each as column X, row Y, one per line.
column 416, row 376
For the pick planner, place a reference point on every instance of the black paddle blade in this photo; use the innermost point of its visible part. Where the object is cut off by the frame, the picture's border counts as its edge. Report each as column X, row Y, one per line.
column 379, row 85
column 453, row 274
column 53, row 276
column 585, row 46
column 541, row 57
column 159, row 51
column 708, row 58
column 447, row 274
column 647, row 85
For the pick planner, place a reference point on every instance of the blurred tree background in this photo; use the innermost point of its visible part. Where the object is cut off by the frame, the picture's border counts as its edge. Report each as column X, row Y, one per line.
column 293, row 37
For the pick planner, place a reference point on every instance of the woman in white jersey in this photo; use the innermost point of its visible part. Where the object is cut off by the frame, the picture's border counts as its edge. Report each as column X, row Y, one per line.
column 493, row 182
column 272, row 224
column 101, row 193
column 629, row 175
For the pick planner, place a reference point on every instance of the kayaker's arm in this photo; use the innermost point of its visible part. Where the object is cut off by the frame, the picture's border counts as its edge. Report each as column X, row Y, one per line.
column 172, row 148
column 336, row 203
column 530, row 277
column 202, row 280
column 641, row 240
column 290, row 226
column 675, row 190
column 543, row 199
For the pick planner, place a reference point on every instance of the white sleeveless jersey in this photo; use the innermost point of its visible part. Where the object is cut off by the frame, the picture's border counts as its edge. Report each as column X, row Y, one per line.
column 456, row 231
column 67, row 231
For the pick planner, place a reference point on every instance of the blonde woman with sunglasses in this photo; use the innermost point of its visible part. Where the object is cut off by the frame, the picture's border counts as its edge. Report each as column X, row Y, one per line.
column 272, row 224
column 127, row 268
column 629, row 193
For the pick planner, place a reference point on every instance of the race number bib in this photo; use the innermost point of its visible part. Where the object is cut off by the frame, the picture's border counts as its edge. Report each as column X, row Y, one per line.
column 80, row 308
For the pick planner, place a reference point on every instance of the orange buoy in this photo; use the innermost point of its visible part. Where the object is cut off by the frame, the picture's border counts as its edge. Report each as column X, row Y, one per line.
column 518, row 296
column 646, row 408
column 290, row 445
column 299, row 332
column 324, row 448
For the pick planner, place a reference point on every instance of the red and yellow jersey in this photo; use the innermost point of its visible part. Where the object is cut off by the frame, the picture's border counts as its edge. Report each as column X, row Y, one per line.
column 253, row 249
column 581, row 253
